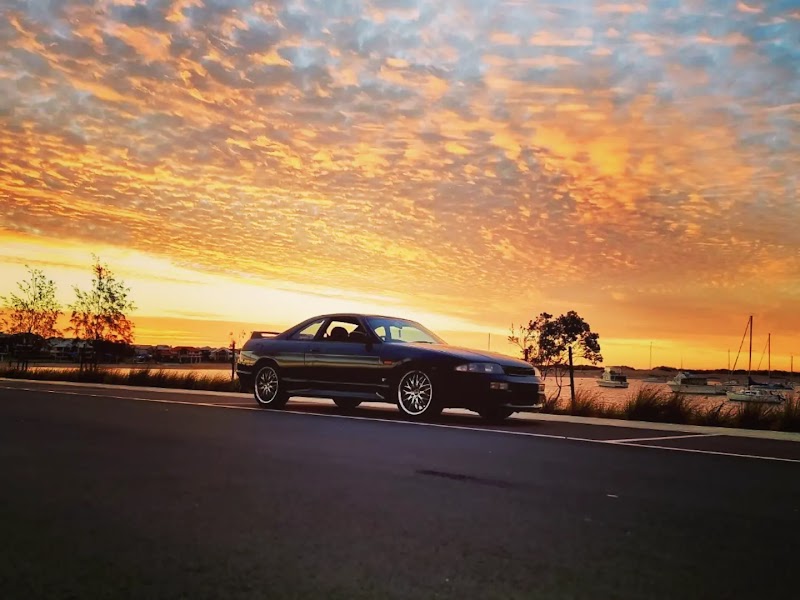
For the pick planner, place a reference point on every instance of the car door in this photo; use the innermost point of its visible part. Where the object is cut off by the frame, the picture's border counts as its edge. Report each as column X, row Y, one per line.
column 291, row 354
column 343, row 365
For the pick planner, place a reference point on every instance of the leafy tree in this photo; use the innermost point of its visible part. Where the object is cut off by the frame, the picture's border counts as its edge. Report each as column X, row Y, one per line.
column 545, row 342
column 100, row 315
column 35, row 310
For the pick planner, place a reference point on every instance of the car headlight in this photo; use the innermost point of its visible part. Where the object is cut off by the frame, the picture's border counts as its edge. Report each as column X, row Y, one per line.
column 480, row 368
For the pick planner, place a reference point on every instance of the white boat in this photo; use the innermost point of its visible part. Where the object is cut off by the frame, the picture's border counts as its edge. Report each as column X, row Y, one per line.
column 755, row 395
column 686, row 383
column 612, row 379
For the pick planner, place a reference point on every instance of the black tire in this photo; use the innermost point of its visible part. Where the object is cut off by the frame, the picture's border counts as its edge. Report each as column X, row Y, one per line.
column 495, row 414
column 268, row 387
column 414, row 395
column 347, row 403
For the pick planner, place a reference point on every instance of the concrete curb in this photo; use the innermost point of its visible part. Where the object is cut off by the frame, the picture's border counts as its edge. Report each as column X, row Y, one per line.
column 652, row 426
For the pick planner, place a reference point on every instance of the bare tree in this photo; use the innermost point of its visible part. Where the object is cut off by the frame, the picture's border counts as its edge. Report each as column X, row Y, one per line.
column 100, row 315
column 545, row 342
column 34, row 310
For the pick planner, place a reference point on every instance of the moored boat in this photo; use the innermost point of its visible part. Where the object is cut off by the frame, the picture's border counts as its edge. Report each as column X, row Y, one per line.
column 755, row 395
column 687, row 383
column 613, row 379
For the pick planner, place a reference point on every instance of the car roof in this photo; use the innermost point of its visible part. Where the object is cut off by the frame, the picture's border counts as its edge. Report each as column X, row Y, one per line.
column 354, row 314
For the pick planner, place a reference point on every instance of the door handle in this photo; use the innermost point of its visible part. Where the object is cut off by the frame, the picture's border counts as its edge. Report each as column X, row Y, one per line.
column 315, row 350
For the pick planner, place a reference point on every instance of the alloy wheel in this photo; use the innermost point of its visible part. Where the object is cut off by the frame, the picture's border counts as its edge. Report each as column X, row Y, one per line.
column 415, row 393
column 266, row 386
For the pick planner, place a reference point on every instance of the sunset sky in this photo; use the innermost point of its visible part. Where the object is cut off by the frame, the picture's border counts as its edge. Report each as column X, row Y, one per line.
column 468, row 163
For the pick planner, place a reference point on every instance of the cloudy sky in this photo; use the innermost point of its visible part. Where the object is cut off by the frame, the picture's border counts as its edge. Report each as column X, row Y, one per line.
column 468, row 162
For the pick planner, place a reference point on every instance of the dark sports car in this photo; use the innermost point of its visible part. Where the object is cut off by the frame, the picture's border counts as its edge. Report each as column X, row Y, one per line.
column 355, row 358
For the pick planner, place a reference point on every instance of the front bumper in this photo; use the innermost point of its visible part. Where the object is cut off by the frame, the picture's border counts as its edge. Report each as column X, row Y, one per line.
column 480, row 390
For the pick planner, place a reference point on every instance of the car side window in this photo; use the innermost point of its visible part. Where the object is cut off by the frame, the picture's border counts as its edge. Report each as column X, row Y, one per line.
column 340, row 330
column 380, row 331
column 308, row 332
column 406, row 334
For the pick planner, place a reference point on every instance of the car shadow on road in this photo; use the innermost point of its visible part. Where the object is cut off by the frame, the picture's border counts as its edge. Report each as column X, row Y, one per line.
column 392, row 414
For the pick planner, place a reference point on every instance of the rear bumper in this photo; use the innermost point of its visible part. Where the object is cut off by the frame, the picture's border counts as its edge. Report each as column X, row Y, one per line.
column 245, row 375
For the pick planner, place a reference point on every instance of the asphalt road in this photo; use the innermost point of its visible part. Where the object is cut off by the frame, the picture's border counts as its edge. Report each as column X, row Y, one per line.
column 119, row 494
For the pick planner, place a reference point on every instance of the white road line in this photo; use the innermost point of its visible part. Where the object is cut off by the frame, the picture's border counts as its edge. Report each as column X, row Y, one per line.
column 412, row 423
column 695, row 451
column 232, row 397
column 663, row 437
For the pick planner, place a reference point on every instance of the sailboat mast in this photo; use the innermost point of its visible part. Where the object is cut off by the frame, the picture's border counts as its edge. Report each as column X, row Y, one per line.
column 769, row 357
column 750, row 354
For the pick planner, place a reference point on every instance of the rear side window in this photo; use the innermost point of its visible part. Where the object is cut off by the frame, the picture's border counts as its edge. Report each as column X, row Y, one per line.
column 308, row 332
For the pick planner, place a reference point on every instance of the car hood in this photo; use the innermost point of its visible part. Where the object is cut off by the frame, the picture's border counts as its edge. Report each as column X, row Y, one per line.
column 472, row 355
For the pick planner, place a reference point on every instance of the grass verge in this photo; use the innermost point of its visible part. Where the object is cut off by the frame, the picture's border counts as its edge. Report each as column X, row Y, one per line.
column 654, row 404
column 165, row 378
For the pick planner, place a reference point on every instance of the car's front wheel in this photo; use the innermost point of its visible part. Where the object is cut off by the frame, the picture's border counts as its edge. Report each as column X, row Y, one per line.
column 414, row 394
column 268, row 388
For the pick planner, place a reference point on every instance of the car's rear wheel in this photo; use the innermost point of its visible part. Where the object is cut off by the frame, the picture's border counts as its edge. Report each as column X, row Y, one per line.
column 495, row 414
column 268, row 388
column 414, row 395
column 347, row 403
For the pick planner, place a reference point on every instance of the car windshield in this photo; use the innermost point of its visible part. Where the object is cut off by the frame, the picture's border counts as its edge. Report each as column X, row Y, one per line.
column 402, row 331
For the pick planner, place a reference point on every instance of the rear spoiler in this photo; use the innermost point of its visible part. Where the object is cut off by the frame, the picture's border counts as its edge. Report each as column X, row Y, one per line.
column 258, row 335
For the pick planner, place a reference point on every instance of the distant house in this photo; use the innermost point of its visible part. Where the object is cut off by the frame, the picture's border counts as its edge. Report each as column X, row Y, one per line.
column 164, row 353
column 188, row 354
column 221, row 355
column 67, row 348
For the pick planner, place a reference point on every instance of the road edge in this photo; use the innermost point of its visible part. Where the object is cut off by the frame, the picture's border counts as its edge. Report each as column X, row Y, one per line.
column 651, row 425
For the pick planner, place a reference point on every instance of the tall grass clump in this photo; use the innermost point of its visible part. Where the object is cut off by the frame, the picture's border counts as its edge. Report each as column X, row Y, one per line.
column 551, row 405
column 587, row 403
column 185, row 380
column 715, row 416
column 650, row 403
column 756, row 415
column 788, row 417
